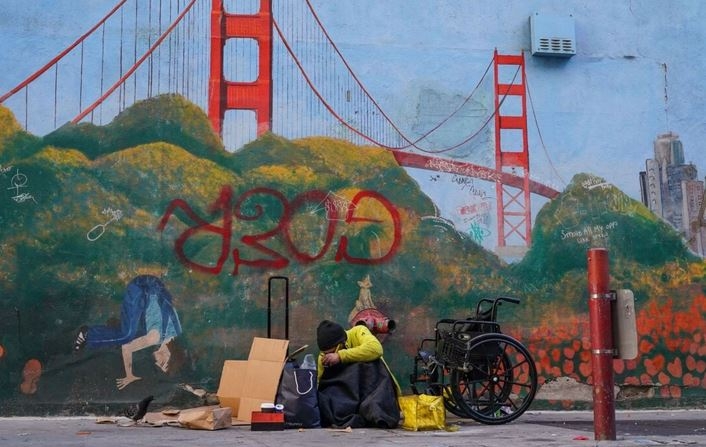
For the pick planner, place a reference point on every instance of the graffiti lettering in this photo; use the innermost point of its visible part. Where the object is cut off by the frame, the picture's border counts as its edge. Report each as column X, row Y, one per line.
column 222, row 204
column 265, row 205
column 589, row 233
column 604, row 185
column 467, row 184
column 353, row 217
column 276, row 260
column 331, row 218
column 478, row 233
column 474, row 209
column 595, row 182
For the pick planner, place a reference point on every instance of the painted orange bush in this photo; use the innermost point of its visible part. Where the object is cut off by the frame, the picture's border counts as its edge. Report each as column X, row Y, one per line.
column 671, row 347
column 30, row 376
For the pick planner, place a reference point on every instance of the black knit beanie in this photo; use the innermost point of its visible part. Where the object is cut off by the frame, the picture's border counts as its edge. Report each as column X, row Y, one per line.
column 329, row 334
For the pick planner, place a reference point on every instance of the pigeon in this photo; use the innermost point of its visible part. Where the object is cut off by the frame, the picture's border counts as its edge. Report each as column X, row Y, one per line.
column 137, row 412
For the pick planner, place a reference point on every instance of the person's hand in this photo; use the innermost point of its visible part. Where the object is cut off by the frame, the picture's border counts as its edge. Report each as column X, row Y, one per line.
column 125, row 381
column 331, row 359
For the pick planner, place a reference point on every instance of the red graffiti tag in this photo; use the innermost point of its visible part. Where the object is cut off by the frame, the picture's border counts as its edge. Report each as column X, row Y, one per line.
column 222, row 204
column 265, row 205
column 351, row 217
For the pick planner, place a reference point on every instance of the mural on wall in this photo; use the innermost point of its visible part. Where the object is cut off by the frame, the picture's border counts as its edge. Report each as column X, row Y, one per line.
column 147, row 318
column 136, row 253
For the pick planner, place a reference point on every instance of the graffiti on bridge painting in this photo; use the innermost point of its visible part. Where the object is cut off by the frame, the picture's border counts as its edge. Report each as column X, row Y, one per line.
column 478, row 232
column 283, row 227
column 468, row 171
column 468, row 185
column 477, row 213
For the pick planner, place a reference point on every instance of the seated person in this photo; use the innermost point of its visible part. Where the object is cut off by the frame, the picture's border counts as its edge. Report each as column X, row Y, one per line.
column 356, row 387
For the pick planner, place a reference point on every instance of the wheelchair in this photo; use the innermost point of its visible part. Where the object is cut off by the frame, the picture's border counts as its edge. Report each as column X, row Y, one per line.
column 482, row 374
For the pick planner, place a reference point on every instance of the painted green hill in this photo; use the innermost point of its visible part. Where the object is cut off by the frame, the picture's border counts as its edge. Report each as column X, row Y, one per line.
column 168, row 118
column 8, row 124
column 593, row 213
column 102, row 204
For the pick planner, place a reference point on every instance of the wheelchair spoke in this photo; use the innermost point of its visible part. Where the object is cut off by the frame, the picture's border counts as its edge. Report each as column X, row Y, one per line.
column 501, row 382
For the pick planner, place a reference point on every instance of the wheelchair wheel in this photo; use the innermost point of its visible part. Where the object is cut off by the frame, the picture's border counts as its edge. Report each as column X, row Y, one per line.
column 436, row 384
column 451, row 405
column 499, row 384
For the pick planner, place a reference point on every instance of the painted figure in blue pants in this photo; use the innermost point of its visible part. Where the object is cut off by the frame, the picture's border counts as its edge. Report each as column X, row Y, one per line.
column 147, row 318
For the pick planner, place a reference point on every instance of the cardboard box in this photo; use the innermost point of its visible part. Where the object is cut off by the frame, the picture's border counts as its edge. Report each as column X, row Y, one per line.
column 261, row 421
column 246, row 384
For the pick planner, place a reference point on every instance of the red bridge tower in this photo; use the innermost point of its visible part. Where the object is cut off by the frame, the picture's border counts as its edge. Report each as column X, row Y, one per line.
column 228, row 95
column 512, row 155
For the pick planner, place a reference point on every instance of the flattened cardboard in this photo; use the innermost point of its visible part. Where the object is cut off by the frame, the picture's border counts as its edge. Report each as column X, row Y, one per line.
column 246, row 384
column 231, row 386
column 206, row 418
column 172, row 417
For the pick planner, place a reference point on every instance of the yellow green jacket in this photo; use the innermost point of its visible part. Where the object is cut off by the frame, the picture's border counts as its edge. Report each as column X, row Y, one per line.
column 361, row 346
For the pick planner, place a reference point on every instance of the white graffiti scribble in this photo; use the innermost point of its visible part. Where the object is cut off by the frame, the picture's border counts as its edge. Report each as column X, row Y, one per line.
column 595, row 182
column 20, row 198
column 589, row 233
column 4, row 169
column 97, row 231
column 336, row 206
column 18, row 181
column 457, row 168
column 604, row 185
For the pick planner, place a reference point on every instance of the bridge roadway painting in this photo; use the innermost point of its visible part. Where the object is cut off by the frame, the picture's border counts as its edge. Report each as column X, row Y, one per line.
column 138, row 247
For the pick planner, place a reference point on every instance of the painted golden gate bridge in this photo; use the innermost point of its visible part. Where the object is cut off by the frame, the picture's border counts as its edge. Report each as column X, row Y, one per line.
column 211, row 89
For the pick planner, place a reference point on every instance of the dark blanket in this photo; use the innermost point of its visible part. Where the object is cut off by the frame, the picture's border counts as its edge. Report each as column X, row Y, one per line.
column 358, row 395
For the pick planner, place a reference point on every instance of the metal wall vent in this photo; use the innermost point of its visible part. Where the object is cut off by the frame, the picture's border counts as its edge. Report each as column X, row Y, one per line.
column 552, row 36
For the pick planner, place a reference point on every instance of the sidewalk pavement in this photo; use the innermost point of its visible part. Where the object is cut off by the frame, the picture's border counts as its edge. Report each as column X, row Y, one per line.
column 532, row 429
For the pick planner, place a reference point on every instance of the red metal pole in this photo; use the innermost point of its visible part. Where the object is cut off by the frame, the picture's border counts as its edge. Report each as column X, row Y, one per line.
column 600, row 316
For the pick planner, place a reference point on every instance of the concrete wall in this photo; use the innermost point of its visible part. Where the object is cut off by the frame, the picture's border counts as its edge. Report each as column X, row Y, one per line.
column 85, row 210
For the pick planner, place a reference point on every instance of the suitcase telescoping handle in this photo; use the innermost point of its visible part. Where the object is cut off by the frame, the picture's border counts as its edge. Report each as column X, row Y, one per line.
column 286, row 305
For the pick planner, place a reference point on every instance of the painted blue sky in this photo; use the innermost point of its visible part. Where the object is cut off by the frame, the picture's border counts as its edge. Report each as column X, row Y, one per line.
column 638, row 71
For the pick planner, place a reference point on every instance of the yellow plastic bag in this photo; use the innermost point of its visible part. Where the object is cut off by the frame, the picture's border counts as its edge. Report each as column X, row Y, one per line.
column 423, row 412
